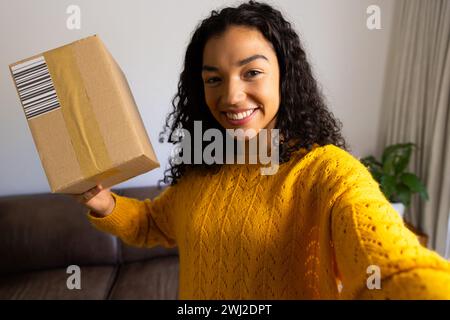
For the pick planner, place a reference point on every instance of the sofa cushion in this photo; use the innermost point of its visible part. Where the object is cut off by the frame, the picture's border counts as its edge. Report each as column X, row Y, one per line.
column 42, row 234
column 150, row 279
column 134, row 254
column 95, row 283
column 50, row 231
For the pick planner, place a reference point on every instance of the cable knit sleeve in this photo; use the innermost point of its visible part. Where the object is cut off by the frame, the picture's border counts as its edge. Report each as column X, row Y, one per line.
column 369, row 237
column 140, row 223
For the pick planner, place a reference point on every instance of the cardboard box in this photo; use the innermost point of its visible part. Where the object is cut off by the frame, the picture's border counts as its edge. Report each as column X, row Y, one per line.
column 83, row 117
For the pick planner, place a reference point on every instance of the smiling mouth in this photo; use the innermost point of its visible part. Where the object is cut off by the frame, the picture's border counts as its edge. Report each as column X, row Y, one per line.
column 240, row 115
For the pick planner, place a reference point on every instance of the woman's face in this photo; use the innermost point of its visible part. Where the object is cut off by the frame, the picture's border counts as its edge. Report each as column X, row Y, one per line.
column 241, row 79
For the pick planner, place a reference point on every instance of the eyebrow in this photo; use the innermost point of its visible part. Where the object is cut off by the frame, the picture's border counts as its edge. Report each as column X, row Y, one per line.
column 239, row 63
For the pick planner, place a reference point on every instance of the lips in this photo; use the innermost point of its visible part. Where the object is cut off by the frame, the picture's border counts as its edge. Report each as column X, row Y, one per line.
column 240, row 116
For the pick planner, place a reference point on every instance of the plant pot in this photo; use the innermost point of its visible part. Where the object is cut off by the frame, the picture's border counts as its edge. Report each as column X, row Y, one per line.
column 399, row 207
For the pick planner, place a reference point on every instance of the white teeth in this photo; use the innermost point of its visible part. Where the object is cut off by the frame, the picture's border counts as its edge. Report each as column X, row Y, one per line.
column 239, row 116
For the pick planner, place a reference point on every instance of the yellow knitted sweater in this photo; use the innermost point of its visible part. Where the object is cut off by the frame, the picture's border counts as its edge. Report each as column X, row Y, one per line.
column 320, row 228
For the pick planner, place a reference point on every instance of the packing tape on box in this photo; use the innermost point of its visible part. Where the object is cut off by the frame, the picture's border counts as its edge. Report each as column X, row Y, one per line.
column 80, row 119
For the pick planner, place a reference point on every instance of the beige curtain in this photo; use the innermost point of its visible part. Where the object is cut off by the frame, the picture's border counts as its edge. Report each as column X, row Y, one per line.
column 416, row 107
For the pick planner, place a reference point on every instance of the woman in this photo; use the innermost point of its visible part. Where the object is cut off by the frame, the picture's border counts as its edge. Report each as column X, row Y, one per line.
column 318, row 227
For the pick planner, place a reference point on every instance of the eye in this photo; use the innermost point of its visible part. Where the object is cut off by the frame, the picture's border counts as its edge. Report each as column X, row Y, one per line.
column 212, row 80
column 252, row 73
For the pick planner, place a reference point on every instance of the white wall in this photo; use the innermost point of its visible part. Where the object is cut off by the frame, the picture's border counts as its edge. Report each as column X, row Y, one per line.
column 148, row 39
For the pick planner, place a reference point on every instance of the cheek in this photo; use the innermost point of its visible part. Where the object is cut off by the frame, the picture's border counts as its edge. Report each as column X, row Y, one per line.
column 210, row 98
column 269, row 95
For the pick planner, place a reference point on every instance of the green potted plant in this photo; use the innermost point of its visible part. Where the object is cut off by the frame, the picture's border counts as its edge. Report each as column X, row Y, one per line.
column 396, row 183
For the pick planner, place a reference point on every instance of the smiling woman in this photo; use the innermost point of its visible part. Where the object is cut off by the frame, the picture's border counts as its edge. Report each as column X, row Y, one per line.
column 319, row 228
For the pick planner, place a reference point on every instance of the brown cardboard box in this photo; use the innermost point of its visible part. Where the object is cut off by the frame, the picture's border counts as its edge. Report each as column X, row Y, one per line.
column 83, row 117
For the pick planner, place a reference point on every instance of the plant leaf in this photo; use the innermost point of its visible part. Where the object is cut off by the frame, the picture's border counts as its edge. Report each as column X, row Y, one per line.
column 395, row 148
column 414, row 184
column 404, row 194
column 388, row 164
column 403, row 158
column 371, row 161
column 396, row 158
column 387, row 184
column 373, row 166
column 377, row 175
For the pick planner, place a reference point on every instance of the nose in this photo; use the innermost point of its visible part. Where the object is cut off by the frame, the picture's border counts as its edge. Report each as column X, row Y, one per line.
column 233, row 92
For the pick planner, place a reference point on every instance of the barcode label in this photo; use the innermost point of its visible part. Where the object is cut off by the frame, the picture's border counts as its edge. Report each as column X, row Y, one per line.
column 35, row 86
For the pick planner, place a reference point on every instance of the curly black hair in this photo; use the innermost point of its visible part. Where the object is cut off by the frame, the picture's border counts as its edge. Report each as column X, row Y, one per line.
column 302, row 119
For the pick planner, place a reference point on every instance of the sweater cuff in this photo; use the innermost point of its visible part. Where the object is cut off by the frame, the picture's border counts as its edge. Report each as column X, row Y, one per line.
column 116, row 219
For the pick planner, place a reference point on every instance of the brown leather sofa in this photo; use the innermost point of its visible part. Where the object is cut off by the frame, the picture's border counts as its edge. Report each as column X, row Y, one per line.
column 41, row 235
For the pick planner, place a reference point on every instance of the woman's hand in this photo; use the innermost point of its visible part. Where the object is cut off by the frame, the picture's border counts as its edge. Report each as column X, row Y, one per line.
column 97, row 199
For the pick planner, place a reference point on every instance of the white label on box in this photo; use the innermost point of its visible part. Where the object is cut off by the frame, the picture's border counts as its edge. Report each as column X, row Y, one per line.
column 35, row 87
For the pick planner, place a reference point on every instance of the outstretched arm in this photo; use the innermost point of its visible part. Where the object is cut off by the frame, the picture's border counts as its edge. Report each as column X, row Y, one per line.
column 370, row 240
